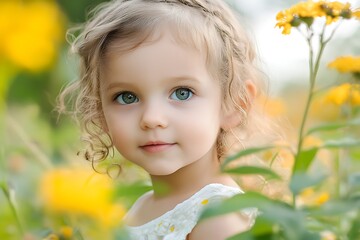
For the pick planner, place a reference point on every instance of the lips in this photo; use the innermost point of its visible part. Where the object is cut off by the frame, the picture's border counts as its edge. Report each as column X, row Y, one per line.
column 157, row 146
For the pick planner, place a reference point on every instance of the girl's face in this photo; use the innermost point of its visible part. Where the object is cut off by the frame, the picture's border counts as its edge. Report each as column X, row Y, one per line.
column 162, row 109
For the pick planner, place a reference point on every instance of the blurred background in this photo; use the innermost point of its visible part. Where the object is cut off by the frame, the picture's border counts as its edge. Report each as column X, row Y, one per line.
column 35, row 64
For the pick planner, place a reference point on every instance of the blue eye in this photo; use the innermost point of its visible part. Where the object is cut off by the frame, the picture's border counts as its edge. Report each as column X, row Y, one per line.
column 181, row 94
column 126, row 98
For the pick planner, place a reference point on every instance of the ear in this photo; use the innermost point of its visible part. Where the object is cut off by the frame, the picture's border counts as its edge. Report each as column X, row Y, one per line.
column 233, row 117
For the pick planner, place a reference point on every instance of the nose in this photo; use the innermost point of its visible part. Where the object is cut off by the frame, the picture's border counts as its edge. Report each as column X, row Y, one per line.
column 153, row 116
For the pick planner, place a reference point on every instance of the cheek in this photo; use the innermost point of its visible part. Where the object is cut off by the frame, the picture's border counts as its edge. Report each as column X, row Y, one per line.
column 123, row 140
column 199, row 140
column 202, row 128
column 118, row 128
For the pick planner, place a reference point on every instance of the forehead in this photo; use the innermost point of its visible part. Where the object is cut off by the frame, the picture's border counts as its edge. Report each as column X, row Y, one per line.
column 160, row 56
column 120, row 44
column 175, row 45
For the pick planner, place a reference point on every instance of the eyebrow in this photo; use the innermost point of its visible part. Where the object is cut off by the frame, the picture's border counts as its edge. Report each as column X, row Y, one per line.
column 186, row 79
column 117, row 84
column 175, row 79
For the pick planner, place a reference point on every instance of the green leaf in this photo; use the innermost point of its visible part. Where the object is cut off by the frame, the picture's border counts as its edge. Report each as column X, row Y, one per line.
column 4, row 188
column 131, row 192
column 242, row 236
column 275, row 212
column 336, row 207
column 301, row 180
column 333, row 126
column 354, row 232
column 342, row 142
column 244, row 153
column 249, row 236
column 303, row 159
column 238, row 202
column 121, row 234
column 253, row 170
column 262, row 230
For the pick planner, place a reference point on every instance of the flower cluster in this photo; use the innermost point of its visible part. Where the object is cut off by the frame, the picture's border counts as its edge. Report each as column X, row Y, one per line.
column 310, row 197
column 346, row 93
column 305, row 12
column 30, row 33
column 81, row 192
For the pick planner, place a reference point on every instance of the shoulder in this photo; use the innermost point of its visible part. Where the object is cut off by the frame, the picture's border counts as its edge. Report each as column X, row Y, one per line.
column 138, row 207
column 218, row 191
column 221, row 227
column 224, row 226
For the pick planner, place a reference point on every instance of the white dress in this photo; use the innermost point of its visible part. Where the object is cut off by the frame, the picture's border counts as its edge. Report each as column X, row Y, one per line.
column 177, row 223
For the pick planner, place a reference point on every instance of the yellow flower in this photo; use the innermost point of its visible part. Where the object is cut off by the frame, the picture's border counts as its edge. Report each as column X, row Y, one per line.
column 321, row 109
column 295, row 15
column 308, row 9
column 309, row 197
column 81, row 192
column 321, row 198
column 346, row 64
column 66, row 232
column 307, row 192
column 305, row 12
column 30, row 33
column 111, row 215
column 345, row 93
column 356, row 13
column 284, row 19
column 312, row 141
column 334, row 10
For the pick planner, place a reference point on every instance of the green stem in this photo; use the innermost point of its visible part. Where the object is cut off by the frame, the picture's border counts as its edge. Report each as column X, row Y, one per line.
column 313, row 70
column 345, row 164
column 7, row 194
column 313, row 74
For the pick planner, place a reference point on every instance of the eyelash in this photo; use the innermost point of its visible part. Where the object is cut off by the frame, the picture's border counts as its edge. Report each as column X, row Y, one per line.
column 183, row 87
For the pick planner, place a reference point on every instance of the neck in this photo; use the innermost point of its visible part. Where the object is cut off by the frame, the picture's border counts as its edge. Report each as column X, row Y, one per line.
column 188, row 179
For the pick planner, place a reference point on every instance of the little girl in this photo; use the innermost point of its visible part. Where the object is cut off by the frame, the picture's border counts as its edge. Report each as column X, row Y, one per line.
column 172, row 84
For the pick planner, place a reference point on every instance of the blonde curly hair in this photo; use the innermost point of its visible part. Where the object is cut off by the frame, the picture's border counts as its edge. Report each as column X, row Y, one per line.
column 207, row 25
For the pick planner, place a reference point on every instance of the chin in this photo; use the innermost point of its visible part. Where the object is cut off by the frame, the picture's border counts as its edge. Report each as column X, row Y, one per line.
column 162, row 171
